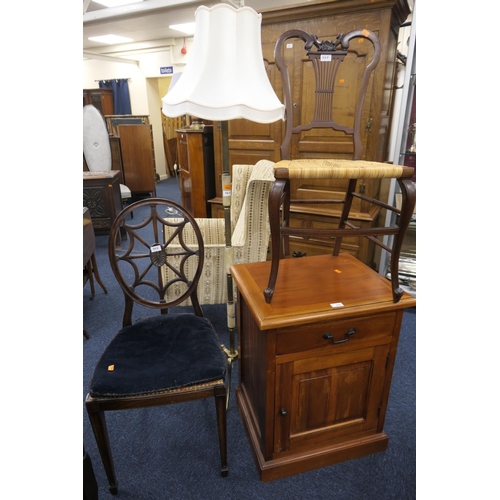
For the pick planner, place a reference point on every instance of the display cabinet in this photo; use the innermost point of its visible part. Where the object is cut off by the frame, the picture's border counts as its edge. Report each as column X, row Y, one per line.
column 102, row 99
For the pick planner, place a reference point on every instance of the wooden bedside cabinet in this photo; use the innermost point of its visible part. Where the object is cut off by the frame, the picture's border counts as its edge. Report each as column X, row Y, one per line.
column 315, row 364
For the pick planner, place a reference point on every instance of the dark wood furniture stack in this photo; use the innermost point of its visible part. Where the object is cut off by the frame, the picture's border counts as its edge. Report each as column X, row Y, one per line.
column 132, row 151
column 102, row 99
column 250, row 142
column 316, row 364
column 196, row 167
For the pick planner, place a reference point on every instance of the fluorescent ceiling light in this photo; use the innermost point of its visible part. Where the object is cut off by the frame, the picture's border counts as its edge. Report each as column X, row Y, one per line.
column 110, row 39
column 116, row 3
column 187, row 28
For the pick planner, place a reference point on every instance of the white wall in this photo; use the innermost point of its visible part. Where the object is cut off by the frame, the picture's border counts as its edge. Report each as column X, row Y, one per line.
column 143, row 75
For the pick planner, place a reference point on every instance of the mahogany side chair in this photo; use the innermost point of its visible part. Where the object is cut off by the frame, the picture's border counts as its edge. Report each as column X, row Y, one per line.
column 325, row 57
column 161, row 359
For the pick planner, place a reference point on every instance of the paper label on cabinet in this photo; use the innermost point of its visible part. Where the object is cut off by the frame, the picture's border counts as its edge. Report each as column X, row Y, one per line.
column 337, row 304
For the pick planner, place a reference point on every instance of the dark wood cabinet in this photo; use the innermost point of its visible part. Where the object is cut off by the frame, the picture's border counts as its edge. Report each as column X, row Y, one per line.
column 196, row 167
column 102, row 99
column 137, row 155
column 101, row 195
column 250, row 142
column 316, row 367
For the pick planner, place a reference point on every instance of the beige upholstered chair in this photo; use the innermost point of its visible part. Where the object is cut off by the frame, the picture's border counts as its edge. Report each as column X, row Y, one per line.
column 250, row 231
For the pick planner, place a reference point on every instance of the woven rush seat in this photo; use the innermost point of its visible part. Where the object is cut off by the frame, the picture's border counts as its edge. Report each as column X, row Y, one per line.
column 336, row 168
column 280, row 201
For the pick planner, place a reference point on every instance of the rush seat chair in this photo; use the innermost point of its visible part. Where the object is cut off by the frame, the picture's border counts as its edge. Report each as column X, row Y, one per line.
column 165, row 358
column 326, row 57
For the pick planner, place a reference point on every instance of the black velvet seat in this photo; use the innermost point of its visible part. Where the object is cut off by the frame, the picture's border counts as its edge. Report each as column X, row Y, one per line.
column 170, row 352
column 165, row 358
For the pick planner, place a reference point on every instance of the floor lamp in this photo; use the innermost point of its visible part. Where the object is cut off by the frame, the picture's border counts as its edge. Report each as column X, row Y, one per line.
column 225, row 79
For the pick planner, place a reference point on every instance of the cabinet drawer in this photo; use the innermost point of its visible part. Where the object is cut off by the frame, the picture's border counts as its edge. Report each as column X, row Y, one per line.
column 310, row 337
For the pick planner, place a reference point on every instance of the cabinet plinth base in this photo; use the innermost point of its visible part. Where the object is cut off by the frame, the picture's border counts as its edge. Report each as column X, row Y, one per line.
column 270, row 470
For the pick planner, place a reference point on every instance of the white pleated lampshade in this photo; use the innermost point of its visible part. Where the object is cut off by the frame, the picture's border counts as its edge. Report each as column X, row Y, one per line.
column 225, row 77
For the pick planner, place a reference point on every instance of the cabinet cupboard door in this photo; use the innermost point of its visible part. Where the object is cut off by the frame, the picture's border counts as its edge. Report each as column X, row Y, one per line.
column 325, row 400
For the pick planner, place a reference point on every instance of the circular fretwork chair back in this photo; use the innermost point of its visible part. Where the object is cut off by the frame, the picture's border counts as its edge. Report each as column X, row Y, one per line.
column 162, row 233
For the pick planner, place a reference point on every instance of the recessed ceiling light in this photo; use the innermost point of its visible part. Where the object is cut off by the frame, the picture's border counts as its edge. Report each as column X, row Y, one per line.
column 187, row 28
column 110, row 39
column 116, row 3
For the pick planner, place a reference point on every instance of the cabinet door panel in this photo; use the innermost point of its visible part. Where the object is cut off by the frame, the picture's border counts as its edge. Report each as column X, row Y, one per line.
column 329, row 399
column 342, row 395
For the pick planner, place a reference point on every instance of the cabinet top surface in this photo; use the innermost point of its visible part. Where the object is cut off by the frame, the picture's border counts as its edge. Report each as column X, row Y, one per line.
column 313, row 289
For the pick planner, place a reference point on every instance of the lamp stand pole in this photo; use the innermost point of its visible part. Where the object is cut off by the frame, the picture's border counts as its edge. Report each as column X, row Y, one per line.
column 231, row 353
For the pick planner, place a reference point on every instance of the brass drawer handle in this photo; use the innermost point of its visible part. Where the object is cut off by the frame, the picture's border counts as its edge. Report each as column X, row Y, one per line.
column 329, row 336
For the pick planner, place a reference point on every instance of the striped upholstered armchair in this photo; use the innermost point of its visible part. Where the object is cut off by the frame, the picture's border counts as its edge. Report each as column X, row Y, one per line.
column 250, row 232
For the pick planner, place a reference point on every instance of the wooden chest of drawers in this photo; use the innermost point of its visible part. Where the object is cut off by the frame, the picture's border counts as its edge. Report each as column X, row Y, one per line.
column 315, row 364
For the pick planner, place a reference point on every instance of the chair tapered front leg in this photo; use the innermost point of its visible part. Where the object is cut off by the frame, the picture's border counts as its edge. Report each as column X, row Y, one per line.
column 276, row 193
column 98, row 422
column 220, row 406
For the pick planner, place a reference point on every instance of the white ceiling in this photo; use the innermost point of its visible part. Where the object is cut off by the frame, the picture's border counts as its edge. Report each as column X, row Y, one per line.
column 147, row 22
